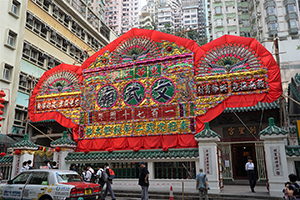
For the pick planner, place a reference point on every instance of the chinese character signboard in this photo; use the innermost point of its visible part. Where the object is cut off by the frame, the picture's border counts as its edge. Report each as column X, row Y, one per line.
column 148, row 89
column 276, row 161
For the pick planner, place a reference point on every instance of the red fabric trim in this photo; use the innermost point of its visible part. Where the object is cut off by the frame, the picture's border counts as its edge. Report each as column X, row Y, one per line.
column 147, row 142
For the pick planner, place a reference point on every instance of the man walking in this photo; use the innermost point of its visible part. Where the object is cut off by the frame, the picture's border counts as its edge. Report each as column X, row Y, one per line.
column 102, row 179
column 144, row 181
column 202, row 185
column 110, row 175
column 249, row 167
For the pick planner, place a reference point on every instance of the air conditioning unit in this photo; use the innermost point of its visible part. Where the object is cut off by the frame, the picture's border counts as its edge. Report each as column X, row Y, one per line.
column 83, row 32
column 21, row 131
column 68, row 18
column 53, row 33
column 55, row 8
column 24, row 78
column 66, row 42
column 27, row 46
column 51, row 61
column 30, row 17
column 43, row 55
column 48, row 2
column 45, row 27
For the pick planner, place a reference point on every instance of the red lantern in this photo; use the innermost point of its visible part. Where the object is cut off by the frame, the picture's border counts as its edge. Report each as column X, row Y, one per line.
column 57, row 149
column 86, row 151
column 2, row 154
column 17, row 152
column 136, row 149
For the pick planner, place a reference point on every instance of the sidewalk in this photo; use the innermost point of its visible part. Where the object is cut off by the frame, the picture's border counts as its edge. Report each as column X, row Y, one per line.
column 232, row 192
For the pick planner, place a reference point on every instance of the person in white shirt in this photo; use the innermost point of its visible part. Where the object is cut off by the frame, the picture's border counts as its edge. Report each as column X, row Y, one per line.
column 87, row 175
column 101, row 182
column 24, row 167
column 249, row 167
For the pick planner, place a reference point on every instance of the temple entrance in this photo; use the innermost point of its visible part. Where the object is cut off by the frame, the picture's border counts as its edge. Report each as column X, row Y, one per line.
column 240, row 152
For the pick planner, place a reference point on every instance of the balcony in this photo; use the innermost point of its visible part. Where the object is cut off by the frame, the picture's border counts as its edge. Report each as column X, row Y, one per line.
column 273, row 33
column 288, row 1
column 252, row 17
column 271, row 18
column 293, row 31
column 291, row 16
column 269, row 3
column 251, row 6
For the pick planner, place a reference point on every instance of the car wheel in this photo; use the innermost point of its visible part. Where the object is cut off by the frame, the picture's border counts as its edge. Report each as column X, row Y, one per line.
column 45, row 198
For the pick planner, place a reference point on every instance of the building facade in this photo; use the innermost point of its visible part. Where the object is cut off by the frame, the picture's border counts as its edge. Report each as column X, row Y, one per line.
column 40, row 35
column 278, row 19
column 229, row 17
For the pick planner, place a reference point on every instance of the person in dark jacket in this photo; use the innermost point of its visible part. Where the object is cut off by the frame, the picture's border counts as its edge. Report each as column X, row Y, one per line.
column 144, row 181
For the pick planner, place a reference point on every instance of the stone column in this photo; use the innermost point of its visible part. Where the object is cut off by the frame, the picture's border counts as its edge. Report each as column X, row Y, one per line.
column 151, row 170
column 63, row 147
column 208, row 157
column 25, row 151
column 275, row 156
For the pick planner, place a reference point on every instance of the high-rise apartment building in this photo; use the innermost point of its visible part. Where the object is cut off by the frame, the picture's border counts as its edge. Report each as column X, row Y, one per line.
column 37, row 35
column 278, row 19
column 165, row 15
column 146, row 20
column 122, row 15
column 265, row 21
column 194, row 16
column 229, row 17
column 114, row 15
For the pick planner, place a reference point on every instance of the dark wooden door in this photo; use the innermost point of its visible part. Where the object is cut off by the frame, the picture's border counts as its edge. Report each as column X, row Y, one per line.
column 240, row 152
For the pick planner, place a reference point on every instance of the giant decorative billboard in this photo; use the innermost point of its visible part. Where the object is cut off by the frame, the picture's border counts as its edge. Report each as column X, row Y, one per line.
column 148, row 89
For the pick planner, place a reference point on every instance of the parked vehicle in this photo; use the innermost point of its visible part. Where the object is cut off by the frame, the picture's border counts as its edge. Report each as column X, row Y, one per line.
column 49, row 184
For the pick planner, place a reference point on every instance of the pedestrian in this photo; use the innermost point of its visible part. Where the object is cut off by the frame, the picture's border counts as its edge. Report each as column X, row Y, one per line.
column 111, row 175
column 87, row 175
column 93, row 177
column 202, row 185
column 294, row 186
column 249, row 167
column 48, row 164
column 102, row 178
column 54, row 165
column 24, row 167
column 1, row 176
column 29, row 164
column 73, row 167
column 144, row 181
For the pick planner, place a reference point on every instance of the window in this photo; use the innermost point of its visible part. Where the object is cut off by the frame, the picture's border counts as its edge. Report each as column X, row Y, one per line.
column 290, row 8
column 65, row 178
column 271, row 10
column 226, row 9
column 227, row 20
column 272, row 26
column 219, row 22
column 292, row 23
column 39, row 178
column 246, row 23
column 218, row 10
column 22, row 178
column 11, row 39
column 7, row 72
column 245, row 11
column 15, row 6
column 175, row 170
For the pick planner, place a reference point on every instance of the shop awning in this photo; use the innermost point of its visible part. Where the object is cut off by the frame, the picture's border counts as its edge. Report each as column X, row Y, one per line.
column 257, row 107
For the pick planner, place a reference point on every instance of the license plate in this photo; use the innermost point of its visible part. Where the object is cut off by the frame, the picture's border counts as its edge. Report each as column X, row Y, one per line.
column 88, row 191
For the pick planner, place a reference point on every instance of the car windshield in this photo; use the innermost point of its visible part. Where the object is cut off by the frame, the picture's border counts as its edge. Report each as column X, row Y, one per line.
column 65, row 178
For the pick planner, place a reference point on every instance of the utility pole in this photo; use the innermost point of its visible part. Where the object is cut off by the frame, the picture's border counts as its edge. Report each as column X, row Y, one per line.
column 282, row 108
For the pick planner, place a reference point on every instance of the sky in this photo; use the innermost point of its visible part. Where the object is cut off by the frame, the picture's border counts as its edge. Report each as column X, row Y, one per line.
column 143, row 2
